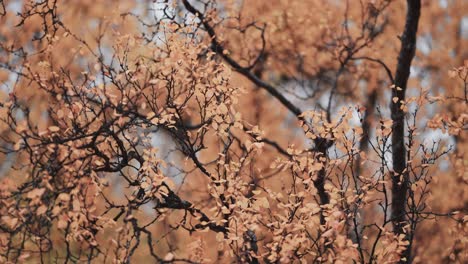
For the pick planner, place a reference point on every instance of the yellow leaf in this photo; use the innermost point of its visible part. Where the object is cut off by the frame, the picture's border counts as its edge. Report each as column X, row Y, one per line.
column 63, row 197
column 23, row 257
column 169, row 257
column 41, row 210
column 452, row 73
column 54, row 128
column 62, row 224
column 225, row 210
column 222, row 108
column 219, row 237
column 264, row 202
column 150, row 115
column 76, row 205
column 35, row 193
column 10, row 221
column 256, row 192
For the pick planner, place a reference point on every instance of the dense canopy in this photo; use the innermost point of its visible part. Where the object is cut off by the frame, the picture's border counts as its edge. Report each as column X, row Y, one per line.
column 233, row 131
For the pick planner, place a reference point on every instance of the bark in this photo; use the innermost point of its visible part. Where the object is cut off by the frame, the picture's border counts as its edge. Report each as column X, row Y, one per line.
column 321, row 146
column 400, row 177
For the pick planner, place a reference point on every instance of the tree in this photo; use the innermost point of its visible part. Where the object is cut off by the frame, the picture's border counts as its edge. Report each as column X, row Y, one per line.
column 228, row 131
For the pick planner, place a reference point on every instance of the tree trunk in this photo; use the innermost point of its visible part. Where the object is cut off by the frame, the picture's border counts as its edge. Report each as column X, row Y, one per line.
column 400, row 177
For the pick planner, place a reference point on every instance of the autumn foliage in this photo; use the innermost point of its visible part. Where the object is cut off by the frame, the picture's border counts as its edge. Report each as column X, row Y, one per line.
column 220, row 131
